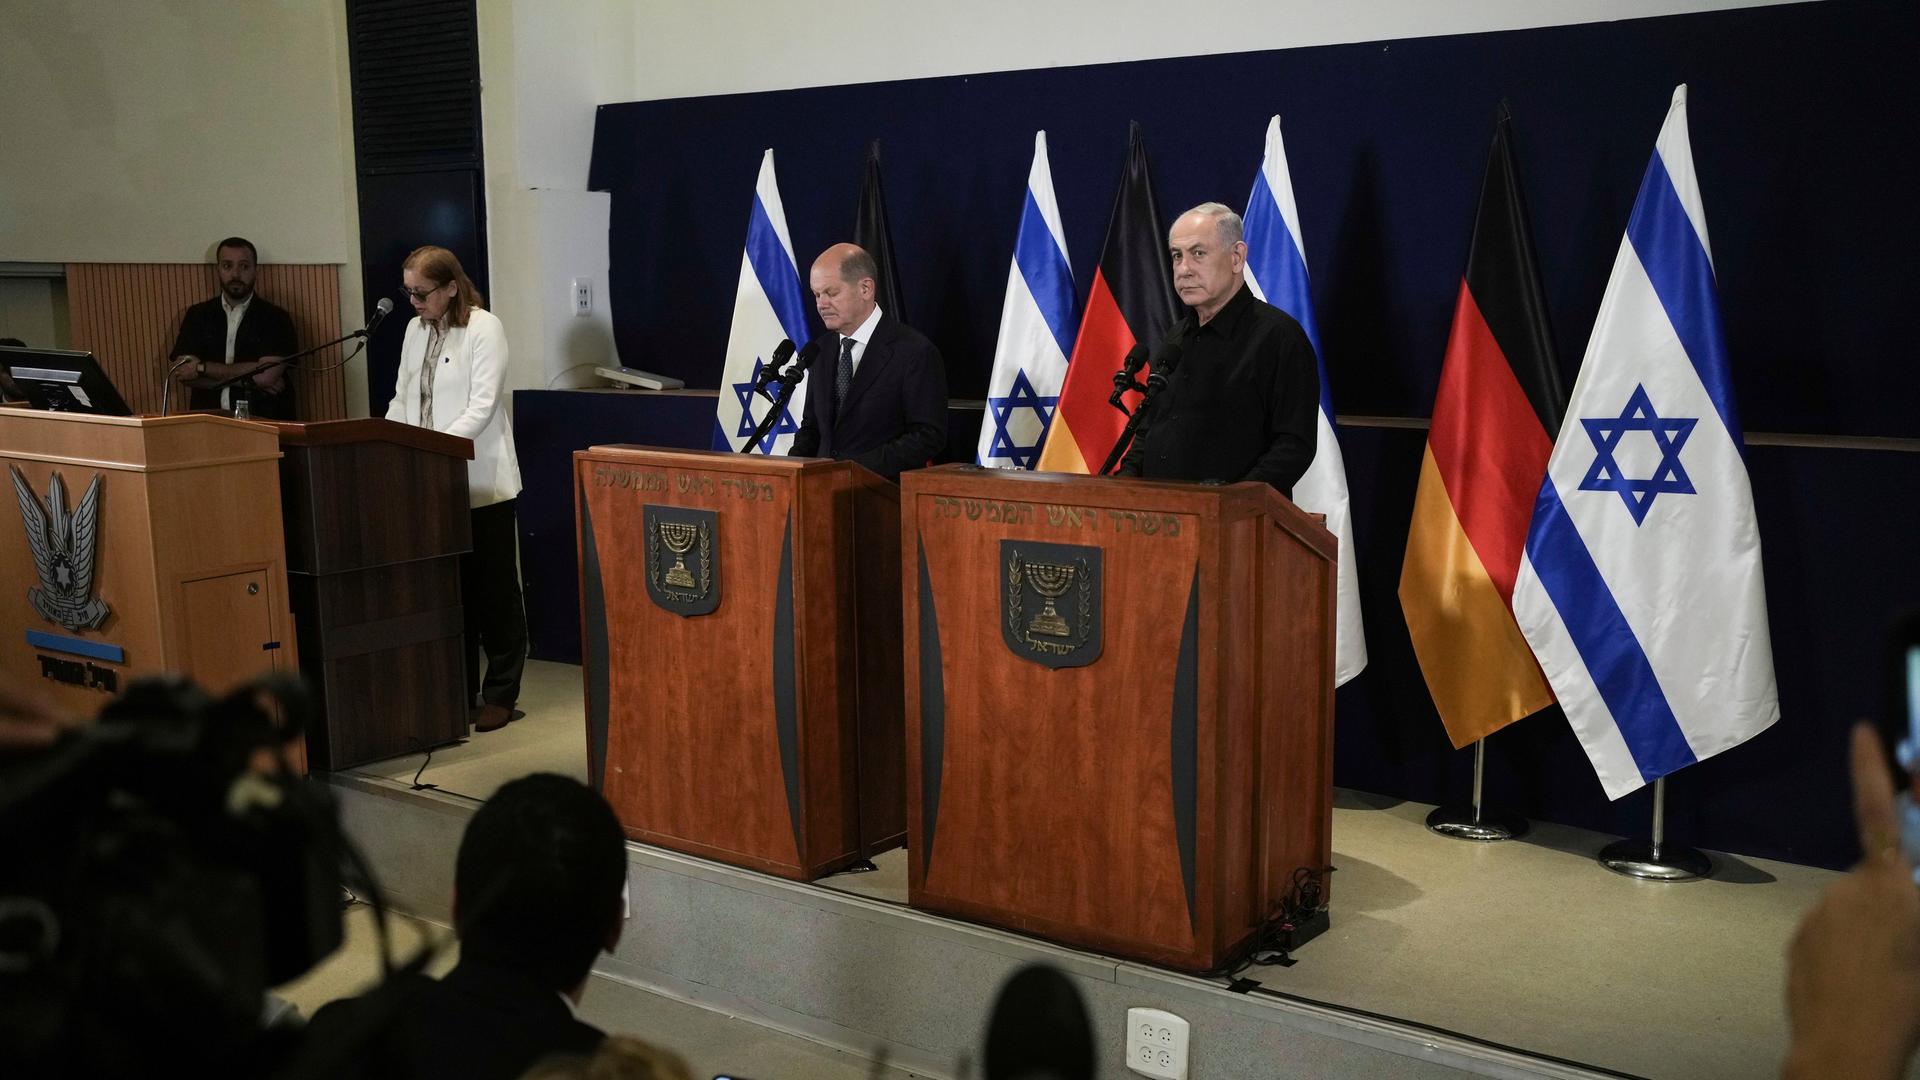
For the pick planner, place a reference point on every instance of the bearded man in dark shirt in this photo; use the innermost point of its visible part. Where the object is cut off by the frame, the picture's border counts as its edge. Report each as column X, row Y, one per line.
column 1240, row 402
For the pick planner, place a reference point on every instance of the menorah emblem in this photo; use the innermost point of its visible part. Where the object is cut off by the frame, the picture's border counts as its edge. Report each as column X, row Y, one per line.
column 679, row 537
column 1051, row 581
column 1061, row 576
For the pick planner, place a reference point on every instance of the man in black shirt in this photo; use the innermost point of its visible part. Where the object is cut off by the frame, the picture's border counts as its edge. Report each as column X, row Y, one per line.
column 1240, row 403
column 237, row 333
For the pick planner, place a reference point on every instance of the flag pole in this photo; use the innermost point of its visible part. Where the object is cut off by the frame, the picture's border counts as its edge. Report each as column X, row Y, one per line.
column 1476, row 822
column 1656, row 860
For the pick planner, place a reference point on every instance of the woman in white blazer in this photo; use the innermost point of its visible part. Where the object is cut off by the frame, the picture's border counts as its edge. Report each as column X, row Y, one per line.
column 453, row 373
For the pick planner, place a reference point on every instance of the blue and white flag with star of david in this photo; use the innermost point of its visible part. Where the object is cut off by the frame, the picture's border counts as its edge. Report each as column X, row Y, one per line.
column 1641, row 590
column 1037, row 327
column 768, row 308
column 1277, row 273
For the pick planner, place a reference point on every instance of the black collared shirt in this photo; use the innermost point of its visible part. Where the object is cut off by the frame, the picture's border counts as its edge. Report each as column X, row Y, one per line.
column 1240, row 405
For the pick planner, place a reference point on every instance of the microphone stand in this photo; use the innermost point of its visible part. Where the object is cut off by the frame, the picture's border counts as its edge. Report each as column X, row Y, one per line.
column 1156, row 382
column 238, row 379
column 789, row 381
column 1123, row 380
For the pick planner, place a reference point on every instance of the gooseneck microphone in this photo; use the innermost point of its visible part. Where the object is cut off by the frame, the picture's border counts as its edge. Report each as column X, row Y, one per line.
column 807, row 356
column 380, row 311
column 1164, row 362
column 771, row 369
column 1127, row 377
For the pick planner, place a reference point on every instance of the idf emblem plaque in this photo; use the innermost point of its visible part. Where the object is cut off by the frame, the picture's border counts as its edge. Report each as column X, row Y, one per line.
column 62, row 542
column 683, row 568
column 1050, row 602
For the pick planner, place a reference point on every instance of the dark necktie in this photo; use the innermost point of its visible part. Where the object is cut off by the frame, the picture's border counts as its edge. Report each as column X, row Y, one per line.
column 843, row 379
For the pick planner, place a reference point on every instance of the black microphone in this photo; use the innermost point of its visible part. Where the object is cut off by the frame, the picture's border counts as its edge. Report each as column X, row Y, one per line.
column 791, row 377
column 1125, row 379
column 808, row 355
column 1167, row 357
column 380, row 311
column 771, row 370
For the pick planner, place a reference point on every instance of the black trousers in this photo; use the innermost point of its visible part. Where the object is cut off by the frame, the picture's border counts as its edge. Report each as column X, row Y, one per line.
column 496, row 615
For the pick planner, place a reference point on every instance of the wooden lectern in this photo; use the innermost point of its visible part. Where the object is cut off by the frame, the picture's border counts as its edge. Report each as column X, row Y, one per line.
column 376, row 521
column 136, row 546
column 1119, row 702
column 739, row 622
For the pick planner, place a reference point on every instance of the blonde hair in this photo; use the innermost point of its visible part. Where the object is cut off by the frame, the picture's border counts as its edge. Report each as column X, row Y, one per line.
column 441, row 267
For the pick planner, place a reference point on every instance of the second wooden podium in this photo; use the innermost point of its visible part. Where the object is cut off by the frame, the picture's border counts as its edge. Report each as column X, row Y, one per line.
column 740, row 619
column 1119, row 702
column 376, row 522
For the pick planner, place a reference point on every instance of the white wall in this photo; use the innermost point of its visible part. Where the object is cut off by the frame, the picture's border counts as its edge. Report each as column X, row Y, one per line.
column 685, row 48
column 547, row 63
column 146, row 130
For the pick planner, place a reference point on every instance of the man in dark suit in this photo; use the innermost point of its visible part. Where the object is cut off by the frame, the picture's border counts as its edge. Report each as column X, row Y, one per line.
column 539, row 891
column 236, row 334
column 878, row 394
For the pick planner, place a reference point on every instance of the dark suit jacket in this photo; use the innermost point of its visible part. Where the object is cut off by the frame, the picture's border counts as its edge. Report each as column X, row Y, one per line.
column 479, row 1023
column 895, row 417
column 265, row 330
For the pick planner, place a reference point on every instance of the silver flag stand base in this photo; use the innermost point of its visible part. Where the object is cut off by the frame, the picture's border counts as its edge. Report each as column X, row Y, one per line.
column 1474, row 821
column 1467, row 823
column 1654, row 860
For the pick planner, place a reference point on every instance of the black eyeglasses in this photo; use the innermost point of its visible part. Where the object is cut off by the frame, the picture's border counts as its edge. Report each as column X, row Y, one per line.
column 419, row 294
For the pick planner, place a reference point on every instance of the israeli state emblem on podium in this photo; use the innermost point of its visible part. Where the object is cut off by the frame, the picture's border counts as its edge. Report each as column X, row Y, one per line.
column 683, row 567
column 1050, row 602
column 63, row 549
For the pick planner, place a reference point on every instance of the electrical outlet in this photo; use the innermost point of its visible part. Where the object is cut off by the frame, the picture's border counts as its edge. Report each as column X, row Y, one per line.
column 582, row 296
column 1157, row 1044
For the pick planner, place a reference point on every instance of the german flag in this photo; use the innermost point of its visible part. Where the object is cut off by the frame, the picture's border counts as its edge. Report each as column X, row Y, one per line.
column 1131, row 301
column 1498, row 408
column 871, row 231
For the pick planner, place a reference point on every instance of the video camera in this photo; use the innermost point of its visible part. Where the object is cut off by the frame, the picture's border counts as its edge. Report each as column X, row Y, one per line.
column 160, row 869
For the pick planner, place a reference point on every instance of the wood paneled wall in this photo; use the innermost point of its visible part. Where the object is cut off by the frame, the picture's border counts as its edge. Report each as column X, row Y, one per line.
column 127, row 315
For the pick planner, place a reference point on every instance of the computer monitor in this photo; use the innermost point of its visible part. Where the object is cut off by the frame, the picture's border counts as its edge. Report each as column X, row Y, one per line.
column 62, row 381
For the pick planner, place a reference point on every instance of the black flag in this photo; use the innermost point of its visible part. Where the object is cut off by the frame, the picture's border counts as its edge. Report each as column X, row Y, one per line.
column 870, row 231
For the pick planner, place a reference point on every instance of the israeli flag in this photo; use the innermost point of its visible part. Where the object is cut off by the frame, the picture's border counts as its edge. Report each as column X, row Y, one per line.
column 768, row 308
column 1640, row 590
column 1037, row 327
column 1277, row 273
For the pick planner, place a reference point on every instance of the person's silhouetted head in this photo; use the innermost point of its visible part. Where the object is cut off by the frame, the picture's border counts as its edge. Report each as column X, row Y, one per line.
column 539, row 880
column 1039, row 1029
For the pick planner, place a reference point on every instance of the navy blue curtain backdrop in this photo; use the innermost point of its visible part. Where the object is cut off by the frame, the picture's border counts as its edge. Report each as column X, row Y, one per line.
column 1802, row 134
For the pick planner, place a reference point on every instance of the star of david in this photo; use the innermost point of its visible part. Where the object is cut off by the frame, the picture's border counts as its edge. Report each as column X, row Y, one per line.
column 744, row 391
column 1669, row 434
column 1020, row 396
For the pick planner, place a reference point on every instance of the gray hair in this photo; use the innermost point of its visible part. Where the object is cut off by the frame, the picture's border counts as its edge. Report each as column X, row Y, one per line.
column 1228, row 223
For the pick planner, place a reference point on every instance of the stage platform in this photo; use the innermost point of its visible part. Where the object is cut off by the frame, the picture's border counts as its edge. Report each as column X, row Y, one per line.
column 1444, row 958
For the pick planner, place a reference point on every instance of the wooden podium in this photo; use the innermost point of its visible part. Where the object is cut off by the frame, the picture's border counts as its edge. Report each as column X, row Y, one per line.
column 1119, row 702
column 158, row 549
column 376, row 520
column 739, row 622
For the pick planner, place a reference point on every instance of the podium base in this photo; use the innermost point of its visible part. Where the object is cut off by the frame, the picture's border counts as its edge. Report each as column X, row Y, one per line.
column 1461, row 823
column 1638, row 858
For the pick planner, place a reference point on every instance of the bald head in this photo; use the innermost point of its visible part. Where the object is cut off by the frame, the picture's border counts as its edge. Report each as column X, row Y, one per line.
column 842, row 281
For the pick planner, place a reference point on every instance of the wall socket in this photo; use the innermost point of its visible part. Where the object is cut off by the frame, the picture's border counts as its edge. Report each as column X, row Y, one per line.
column 1157, row 1044
column 582, row 296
